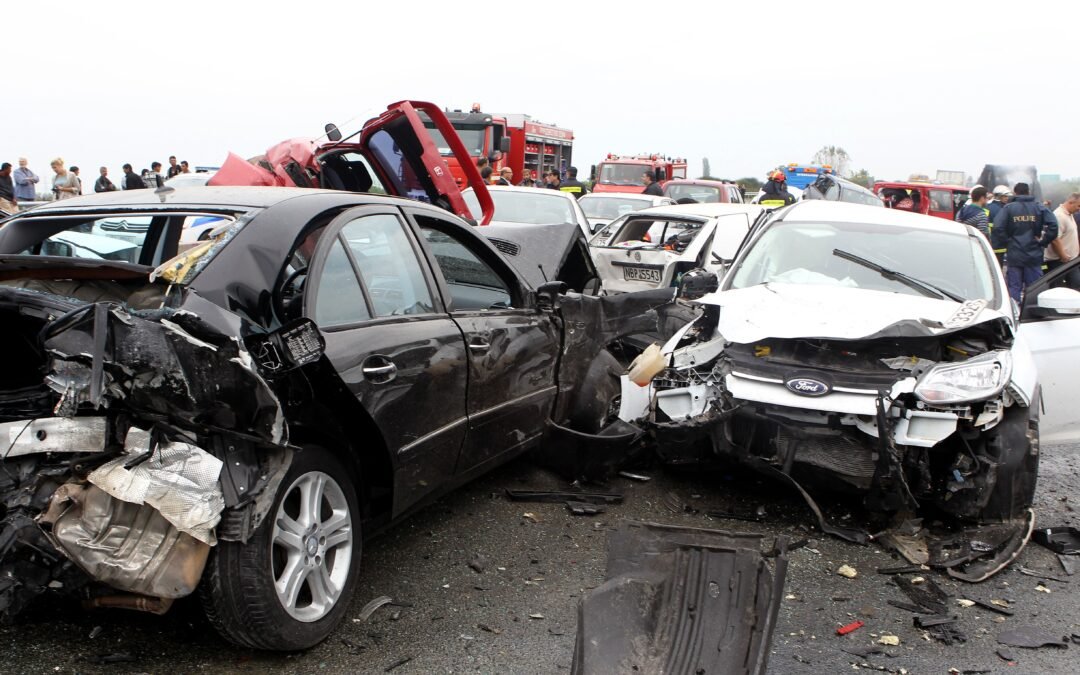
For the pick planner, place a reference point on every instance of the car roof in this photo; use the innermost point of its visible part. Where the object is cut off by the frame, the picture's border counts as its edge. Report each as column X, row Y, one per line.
column 699, row 210
column 198, row 196
column 929, row 186
column 697, row 181
column 623, row 195
column 824, row 211
column 516, row 188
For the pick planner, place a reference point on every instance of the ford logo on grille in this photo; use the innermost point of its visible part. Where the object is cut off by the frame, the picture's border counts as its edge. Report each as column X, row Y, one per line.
column 807, row 386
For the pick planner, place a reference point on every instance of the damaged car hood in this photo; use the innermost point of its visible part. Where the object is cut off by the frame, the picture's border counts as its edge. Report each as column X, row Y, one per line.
column 779, row 310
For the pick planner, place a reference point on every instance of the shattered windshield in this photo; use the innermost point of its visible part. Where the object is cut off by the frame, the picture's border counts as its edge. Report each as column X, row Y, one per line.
column 661, row 233
column 622, row 174
column 803, row 253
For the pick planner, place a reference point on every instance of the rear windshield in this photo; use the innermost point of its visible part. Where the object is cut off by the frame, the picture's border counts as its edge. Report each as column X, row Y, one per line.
column 610, row 208
column 147, row 239
column 655, row 233
column 702, row 194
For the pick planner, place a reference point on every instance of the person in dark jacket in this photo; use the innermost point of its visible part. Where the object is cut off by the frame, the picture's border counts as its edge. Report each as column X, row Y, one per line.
column 573, row 185
column 132, row 180
column 103, row 184
column 1023, row 228
column 774, row 193
column 651, row 186
column 506, row 176
column 551, row 180
column 975, row 213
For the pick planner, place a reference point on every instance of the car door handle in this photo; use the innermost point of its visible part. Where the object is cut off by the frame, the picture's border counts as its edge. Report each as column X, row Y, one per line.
column 379, row 369
column 478, row 345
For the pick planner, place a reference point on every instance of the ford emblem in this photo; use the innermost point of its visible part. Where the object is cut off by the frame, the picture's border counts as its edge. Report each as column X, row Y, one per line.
column 807, row 386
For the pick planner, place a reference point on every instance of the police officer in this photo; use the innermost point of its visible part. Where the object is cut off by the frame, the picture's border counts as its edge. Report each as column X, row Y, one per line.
column 774, row 193
column 573, row 185
column 1023, row 228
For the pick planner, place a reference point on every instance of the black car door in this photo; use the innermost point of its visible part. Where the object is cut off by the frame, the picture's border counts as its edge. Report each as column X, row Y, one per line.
column 512, row 348
column 394, row 345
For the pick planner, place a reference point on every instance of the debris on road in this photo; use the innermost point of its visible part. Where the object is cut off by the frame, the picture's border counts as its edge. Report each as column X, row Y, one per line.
column 999, row 606
column 536, row 616
column 558, row 496
column 1029, row 638
column 927, row 595
column 964, row 602
column 847, row 571
column 1064, row 540
column 889, row 640
column 628, row 623
column 635, row 476
column 478, row 564
column 1042, row 589
column 940, row 628
column 397, row 664
column 850, row 628
column 584, row 508
column 1038, row 575
column 373, row 606
column 530, row 516
column 904, row 569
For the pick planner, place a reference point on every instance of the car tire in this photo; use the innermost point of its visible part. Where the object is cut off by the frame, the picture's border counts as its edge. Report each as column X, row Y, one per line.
column 1014, row 445
column 597, row 401
column 287, row 588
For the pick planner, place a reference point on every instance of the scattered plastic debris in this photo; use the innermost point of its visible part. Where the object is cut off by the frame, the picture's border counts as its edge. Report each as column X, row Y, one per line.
column 530, row 516
column 1029, row 638
column 478, row 564
column 397, row 664
column 557, row 496
column 940, row 628
column 1039, row 575
column 850, row 628
column 905, row 569
column 584, row 508
column 889, row 640
column 372, row 606
column 847, row 571
column 1064, row 540
column 536, row 616
column 635, row 476
column 1042, row 589
column 1007, row 655
column 964, row 602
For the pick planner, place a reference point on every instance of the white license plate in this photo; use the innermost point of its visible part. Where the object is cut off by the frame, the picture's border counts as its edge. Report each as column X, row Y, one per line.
column 641, row 274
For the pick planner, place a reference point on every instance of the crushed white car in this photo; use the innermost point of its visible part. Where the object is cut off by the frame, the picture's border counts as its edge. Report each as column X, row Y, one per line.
column 653, row 248
column 877, row 351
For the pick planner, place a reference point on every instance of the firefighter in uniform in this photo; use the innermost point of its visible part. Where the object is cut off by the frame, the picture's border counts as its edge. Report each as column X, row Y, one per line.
column 774, row 193
column 573, row 185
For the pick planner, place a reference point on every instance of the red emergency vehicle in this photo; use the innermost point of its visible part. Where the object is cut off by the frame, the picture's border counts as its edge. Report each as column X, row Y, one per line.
column 622, row 173
column 513, row 140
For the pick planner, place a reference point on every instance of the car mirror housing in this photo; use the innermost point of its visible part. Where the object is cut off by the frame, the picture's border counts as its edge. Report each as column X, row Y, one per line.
column 1061, row 300
column 547, row 295
column 697, row 283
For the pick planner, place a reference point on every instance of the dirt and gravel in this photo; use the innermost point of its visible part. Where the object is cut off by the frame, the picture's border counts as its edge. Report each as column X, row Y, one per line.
column 483, row 584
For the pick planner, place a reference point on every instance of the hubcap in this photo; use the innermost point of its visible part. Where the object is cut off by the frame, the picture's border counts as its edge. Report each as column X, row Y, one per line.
column 312, row 546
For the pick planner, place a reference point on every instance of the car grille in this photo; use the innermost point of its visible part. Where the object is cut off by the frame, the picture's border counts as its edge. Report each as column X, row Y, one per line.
column 505, row 247
column 833, row 453
column 123, row 226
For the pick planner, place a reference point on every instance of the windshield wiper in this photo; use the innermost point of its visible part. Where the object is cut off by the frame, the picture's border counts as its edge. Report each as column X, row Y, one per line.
column 923, row 287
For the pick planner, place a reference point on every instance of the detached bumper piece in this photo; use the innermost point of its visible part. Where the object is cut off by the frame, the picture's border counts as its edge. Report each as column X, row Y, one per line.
column 681, row 600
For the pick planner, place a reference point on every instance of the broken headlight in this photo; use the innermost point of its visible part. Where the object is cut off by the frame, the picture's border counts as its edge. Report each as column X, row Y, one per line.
column 977, row 378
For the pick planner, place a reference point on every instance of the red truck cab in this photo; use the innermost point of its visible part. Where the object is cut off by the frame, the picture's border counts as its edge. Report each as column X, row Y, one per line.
column 624, row 173
column 392, row 153
column 942, row 201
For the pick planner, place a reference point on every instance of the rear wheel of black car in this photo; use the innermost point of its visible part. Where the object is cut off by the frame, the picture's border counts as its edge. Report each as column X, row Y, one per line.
column 288, row 586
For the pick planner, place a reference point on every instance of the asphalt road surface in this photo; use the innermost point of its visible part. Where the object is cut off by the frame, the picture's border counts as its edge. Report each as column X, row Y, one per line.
column 513, row 610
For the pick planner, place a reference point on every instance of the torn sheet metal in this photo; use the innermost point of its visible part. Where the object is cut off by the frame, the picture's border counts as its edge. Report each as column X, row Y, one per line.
column 161, row 362
column 53, row 434
column 681, row 600
column 180, row 480
column 127, row 546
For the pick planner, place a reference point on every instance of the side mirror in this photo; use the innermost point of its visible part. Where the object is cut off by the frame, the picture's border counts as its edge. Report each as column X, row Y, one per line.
column 1061, row 300
column 332, row 133
column 592, row 173
column 697, row 283
column 504, row 144
column 547, row 295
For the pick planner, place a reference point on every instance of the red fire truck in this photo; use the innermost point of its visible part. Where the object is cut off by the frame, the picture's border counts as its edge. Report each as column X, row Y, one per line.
column 514, row 140
column 622, row 173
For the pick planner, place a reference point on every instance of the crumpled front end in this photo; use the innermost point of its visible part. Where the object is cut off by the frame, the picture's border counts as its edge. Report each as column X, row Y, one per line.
column 117, row 425
column 916, row 423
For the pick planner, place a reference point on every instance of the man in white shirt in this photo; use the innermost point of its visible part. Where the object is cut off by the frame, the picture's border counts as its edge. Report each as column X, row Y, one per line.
column 1067, row 245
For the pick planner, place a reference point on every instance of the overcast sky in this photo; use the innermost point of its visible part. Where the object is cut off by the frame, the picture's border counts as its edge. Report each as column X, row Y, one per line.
column 904, row 88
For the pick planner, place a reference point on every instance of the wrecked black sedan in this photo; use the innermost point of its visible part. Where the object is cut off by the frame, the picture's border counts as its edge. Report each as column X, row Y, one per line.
column 234, row 418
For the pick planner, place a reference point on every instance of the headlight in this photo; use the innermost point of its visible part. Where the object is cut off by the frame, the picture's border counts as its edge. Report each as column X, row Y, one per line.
column 977, row 378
